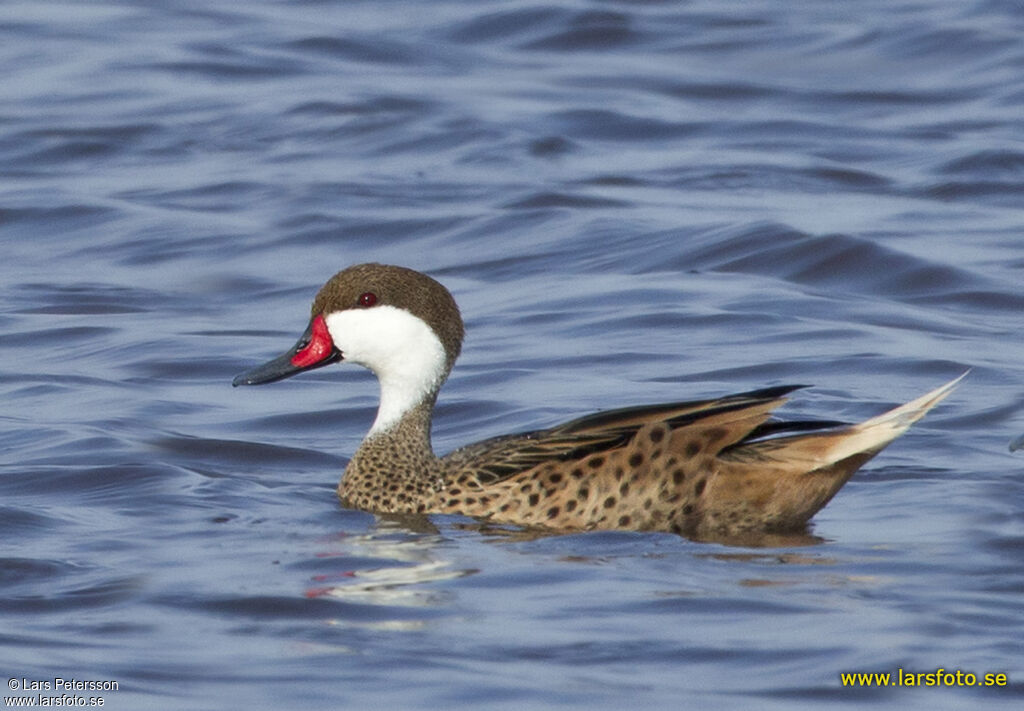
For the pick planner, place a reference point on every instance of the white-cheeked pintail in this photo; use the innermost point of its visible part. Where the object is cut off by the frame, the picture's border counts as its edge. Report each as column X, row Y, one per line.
column 705, row 469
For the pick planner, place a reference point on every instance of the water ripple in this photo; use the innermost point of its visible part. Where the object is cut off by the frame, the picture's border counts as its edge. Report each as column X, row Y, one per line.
column 632, row 202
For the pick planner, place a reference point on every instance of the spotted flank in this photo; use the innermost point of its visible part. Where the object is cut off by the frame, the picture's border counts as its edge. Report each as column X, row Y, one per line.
column 707, row 469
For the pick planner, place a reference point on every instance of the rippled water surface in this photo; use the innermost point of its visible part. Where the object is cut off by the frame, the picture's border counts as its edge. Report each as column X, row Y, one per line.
column 632, row 202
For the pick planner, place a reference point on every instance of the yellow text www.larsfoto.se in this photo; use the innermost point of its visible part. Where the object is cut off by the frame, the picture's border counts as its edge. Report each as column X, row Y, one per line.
column 939, row 677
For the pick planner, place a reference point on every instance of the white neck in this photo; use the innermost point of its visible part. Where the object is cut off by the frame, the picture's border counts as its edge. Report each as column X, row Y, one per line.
column 401, row 349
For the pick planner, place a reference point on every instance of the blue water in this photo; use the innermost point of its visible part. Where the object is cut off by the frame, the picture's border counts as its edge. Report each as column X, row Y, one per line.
column 632, row 202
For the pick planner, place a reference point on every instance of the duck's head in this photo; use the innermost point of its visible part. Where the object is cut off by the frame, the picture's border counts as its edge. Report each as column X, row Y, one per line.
column 401, row 324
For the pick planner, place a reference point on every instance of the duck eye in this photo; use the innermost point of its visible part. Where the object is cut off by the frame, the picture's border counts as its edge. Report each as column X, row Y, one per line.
column 367, row 299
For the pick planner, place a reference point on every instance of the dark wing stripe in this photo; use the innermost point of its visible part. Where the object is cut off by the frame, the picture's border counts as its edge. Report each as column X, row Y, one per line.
column 770, row 429
column 506, row 456
column 696, row 408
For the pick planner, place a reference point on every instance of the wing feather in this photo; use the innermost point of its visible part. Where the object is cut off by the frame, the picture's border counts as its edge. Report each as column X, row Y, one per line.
column 499, row 458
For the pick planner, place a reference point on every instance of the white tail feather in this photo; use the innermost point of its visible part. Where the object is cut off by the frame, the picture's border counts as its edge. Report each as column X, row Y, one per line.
column 874, row 434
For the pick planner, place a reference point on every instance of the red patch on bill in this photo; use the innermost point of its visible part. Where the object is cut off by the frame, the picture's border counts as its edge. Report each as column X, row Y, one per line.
column 319, row 347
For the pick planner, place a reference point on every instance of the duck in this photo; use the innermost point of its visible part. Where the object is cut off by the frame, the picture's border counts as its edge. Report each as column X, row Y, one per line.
column 705, row 469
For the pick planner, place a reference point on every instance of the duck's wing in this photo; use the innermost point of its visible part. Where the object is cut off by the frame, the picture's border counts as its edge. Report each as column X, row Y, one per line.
column 499, row 458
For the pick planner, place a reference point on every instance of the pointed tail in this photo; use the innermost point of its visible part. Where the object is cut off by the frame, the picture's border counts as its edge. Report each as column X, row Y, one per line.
column 802, row 472
column 874, row 434
column 860, row 442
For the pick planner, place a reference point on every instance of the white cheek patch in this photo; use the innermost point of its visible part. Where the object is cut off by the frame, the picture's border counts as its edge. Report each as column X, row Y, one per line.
column 401, row 349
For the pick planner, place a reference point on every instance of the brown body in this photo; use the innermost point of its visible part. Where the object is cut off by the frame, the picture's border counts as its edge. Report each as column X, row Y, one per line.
column 701, row 469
